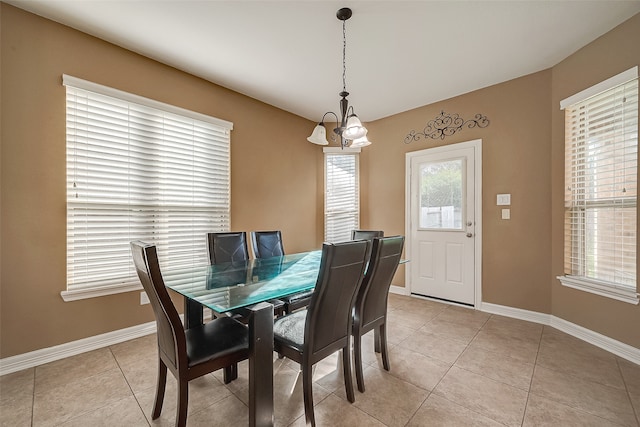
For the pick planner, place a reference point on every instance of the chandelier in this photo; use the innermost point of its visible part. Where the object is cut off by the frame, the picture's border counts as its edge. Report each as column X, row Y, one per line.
column 350, row 130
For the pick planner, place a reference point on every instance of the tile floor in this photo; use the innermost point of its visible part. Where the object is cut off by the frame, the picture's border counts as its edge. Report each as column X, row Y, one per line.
column 449, row 366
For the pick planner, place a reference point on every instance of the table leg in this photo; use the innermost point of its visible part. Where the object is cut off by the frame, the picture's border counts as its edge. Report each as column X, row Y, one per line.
column 261, row 365
column 192, row 313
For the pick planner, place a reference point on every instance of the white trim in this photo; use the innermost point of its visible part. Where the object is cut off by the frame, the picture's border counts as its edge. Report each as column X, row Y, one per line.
column 602, row 289
column 68, row 80
column 476, row 144
column 616, row 347
column 79, row 294
column 339, row 150
column 611, row 345
column 399, row 290
column 50, row 354
column 612, row 82
column 516, row 313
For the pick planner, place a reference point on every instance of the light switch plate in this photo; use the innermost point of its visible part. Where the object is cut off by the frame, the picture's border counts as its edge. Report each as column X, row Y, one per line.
column 506, row 213
column 503, row 199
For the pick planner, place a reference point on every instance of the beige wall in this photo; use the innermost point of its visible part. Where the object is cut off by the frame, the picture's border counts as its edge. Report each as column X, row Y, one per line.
column 522, row 155
column 607, row 56
column 515, row 156
column 267, row 192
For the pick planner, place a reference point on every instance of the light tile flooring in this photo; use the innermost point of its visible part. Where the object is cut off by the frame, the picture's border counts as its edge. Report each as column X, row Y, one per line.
column 449, row 366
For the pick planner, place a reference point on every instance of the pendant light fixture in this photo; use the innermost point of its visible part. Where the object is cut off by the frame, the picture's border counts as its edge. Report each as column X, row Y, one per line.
column 350, row 130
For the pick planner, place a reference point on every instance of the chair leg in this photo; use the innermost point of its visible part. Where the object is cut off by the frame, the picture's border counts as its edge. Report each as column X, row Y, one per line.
column 162, row 382
column 376, row 340
column 307, row 389
column 183, row 401
column 348, row 380
column 230, row 373
column 383, row 344
column 357, row 353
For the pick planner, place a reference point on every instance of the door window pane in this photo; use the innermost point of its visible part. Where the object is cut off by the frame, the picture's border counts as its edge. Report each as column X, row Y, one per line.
column 441, row 194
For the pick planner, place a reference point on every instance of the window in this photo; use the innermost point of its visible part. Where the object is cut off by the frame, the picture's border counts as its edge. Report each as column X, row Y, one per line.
column 342, row 194
column 601, row 171
column 138, row 169
column 441, row 195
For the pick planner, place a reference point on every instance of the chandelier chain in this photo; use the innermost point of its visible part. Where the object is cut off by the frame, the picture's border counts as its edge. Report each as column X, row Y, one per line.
column 344, row 56
column 349, row 128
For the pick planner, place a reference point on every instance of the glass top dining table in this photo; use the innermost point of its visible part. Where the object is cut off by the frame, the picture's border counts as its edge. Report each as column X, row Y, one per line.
column 228, row 286
column 247, row 284
column 250, row 285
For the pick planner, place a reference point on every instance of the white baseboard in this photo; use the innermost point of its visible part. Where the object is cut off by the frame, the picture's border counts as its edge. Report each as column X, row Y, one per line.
column 516, row 313
column 51, row 354
column 400, row 290
column 618, row 348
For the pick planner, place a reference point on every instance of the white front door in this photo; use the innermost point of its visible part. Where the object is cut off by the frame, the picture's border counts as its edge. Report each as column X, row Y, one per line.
column 442, row 217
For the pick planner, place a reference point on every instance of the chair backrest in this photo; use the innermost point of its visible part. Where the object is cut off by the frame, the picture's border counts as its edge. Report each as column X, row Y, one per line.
column 170, row 332
column 371, row 301
column 329, row 316
column 227, row 247
column 267, row 244
column 366, row 234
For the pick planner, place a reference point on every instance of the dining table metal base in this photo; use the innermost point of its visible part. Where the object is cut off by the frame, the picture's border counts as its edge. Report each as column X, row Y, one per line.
column 261, row 365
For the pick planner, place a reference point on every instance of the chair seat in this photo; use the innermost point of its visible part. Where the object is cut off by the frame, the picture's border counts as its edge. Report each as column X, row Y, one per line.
column 216, row 339
column 290, row 329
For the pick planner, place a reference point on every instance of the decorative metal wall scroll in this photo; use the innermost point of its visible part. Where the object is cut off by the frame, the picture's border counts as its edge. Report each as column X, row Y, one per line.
column 446, row 125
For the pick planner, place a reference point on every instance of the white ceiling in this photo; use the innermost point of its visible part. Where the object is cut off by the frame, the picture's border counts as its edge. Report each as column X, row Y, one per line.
column 400, row 54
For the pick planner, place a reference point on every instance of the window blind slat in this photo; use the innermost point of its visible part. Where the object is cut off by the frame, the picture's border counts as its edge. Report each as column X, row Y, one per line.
column 138, row 172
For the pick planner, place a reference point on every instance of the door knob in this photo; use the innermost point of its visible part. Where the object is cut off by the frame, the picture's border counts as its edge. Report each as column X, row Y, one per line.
column 469, row 234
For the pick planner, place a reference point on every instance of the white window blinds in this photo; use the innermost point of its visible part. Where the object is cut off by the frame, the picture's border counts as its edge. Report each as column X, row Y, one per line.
column 601, row 151
column 342, row 196
column 138, row 170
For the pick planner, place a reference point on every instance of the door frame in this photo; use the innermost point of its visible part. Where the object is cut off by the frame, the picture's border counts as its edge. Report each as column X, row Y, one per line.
column 476, row 144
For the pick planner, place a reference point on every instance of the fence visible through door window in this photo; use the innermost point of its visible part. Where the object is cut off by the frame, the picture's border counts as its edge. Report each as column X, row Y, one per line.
column 441, row 195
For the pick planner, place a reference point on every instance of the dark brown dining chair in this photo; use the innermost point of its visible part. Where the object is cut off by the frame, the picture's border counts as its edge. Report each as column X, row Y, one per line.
column 227, row 247
column 366, row 235
column 232, row 247
column 308, row 336
column 191, row 353
column 370, row 311
column 268, row 244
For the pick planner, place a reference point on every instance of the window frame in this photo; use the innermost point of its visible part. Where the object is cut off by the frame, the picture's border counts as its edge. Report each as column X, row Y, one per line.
column 617, row 291
column 204, row 135
column 337, row 151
